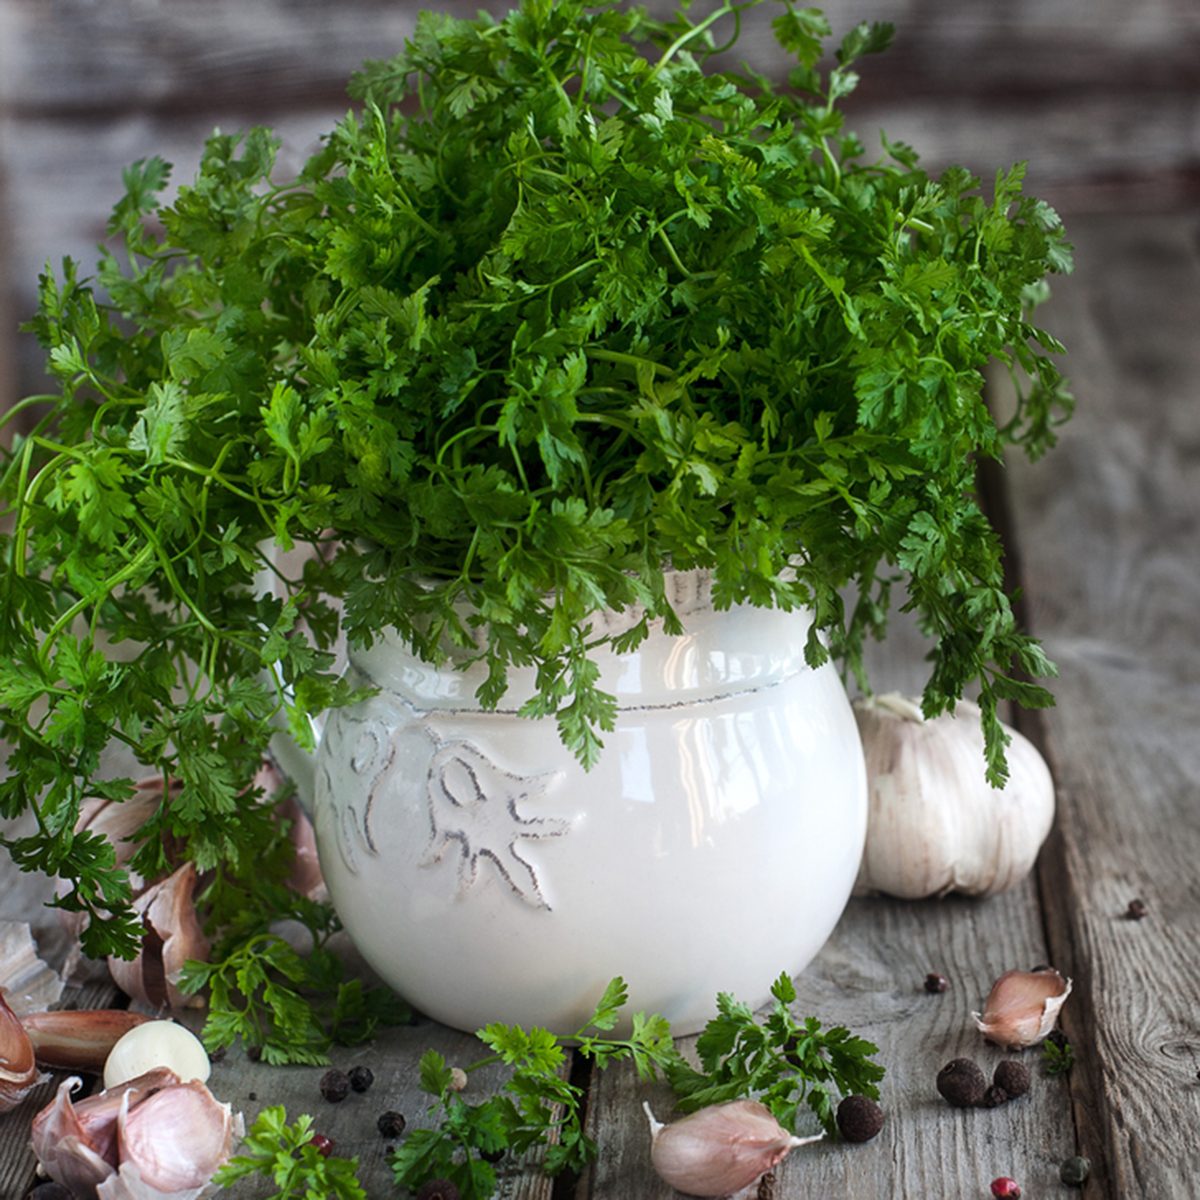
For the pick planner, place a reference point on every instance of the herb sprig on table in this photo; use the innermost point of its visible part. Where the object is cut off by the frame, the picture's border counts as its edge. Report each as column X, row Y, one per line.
column 781, row 1061
column 561, row 301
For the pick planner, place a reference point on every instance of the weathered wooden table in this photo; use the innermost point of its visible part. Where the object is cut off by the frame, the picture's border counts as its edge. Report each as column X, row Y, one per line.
column 1104, row 540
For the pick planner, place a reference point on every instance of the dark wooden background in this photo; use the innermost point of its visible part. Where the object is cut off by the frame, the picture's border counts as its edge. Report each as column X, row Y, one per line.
column 1101, row 96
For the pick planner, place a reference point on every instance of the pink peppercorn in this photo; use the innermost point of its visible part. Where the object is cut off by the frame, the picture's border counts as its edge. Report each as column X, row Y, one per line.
column 1005, row 1188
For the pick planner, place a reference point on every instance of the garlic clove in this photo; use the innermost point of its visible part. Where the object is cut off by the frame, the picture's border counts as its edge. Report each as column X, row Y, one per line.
column 79, row 1156
column 76, row 1144
column 18, row 1068
column 157, row 1044
column 78, row 1039
column 170, row 1144
column 1023, row 1007
column 173, row 935
column 28, row 984
column 720, row 1149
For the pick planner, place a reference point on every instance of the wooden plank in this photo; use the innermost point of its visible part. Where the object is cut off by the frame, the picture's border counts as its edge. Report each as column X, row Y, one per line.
column 870, row 977
column 1109, row 558
column 172, row 55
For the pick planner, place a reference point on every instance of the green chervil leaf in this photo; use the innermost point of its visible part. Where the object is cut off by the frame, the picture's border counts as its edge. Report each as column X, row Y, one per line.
column 558, row 302
column 782, row 1061
column 285, row 1155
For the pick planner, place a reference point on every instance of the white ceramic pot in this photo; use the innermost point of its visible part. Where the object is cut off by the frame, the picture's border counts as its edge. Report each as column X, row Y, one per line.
column 487, row 877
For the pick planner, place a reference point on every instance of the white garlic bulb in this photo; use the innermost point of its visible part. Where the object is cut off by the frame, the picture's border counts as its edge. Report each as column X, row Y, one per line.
column 935, row 824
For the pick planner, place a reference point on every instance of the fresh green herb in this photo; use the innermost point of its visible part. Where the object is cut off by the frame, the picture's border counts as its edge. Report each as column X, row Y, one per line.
column 1058, row 1057
column 560, row 302
column 537, row 1106
column 285, row 1155
column 289, row 1006
column 780, row 1061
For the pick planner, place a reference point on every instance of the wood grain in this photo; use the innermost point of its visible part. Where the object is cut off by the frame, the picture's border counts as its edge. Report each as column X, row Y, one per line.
column 1109, row 555
column 172, row 55
column 870, row 977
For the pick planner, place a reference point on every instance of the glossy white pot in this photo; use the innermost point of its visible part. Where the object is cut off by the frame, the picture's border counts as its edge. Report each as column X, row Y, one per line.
column 487, row 877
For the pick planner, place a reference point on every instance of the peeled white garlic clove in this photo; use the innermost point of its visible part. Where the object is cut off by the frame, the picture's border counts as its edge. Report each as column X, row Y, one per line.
column 1022, row 1007
column 720, row 1149
column 72, row 1039
column 76, row 1144
column 18, row 1068
column 173, row 935
column 170, row 1144
column 935, row 825
column 157, row 1044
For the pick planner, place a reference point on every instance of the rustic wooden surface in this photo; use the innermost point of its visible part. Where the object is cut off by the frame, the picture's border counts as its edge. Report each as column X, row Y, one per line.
column 1104, row 537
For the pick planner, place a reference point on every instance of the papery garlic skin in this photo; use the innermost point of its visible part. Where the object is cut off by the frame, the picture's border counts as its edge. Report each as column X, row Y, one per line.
column 28, row 984
column 168, row 908
column 76, row 1144
column 1023, row 1007
column 935, row 824
column 720, row 1149
column 170, row 1145
column 18, row 1069
column 78, row 1154
column 157, row 1044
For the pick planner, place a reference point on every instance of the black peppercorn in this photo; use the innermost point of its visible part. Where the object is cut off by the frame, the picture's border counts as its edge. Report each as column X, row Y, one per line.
column 1137, row 910
column 361, row 1078
column 962, row 1083
column 994, row 1097
column 254, row 1053
column 935, row 983
column 1074, row 1171
column 491, row 1156
column 335, row 1085
column 391, row 1124
column 1013, row 1077
column 859, row 1118
column 1056, row 1037
column 438, row 1189
column 766, row 1187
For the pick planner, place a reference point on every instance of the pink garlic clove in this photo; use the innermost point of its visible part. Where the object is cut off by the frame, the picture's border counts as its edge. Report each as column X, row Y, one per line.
column 18, row 1069
column 171, row 1144
column 80, row 1155
column 76, row 1144
column 69, row 1039
column 173, row 935
column 720, row 1149
column 1022, row 1007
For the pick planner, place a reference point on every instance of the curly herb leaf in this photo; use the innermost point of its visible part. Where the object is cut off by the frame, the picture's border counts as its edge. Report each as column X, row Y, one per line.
column 779, row 1060
column 537, row 1106
column 285, row 1155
